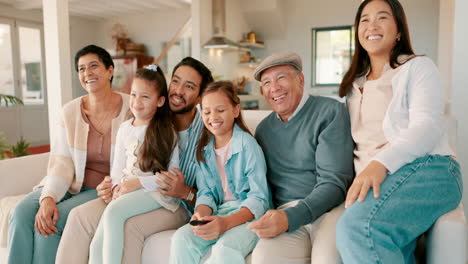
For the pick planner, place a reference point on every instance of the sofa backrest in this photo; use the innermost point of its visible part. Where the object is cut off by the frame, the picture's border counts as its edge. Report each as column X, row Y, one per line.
column 253, row 117
column 20, row 175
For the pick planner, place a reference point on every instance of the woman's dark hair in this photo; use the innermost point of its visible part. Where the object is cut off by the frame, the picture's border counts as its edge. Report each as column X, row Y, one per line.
column 160, row 138
column 229, row 90
column 102, row 54
column 361, row 62
column 204, row 72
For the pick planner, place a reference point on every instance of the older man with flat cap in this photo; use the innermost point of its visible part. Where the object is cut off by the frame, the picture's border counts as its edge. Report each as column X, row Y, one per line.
column 309, row 152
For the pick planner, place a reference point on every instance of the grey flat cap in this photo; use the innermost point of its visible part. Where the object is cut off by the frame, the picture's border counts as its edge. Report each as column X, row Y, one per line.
column 275, row 59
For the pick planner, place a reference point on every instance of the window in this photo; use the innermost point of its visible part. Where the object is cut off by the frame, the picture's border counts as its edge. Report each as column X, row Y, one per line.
column 7, row 85
column 332, row 54
column 22, row 70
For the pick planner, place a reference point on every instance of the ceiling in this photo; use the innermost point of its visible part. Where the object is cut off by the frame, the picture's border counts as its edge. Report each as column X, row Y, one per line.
column 97, row 9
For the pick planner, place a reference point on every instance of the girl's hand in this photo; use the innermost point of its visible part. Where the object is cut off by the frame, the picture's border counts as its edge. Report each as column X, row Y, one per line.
column 371, row 177
column 46, row 217
column 201, row 211
column 116, row 192
column 128, row 186
column 212, row 230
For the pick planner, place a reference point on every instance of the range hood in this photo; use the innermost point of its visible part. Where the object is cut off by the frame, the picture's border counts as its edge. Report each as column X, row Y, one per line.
column 219, row 41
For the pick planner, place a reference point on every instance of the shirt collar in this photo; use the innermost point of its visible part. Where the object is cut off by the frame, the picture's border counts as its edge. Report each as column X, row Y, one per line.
column 359, row 82
column 305, row 96
column 236, row 143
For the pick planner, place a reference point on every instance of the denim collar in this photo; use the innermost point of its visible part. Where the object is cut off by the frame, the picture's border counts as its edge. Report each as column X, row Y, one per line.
column 236, row 143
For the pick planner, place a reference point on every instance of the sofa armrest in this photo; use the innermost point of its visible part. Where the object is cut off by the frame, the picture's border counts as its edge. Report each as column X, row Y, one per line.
column 20, row 175
column 447, row 239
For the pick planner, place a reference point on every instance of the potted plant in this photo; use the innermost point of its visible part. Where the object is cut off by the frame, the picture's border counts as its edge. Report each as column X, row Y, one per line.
column 3, row 146
column 7, row 100
column 20, row 148
column 10, row 99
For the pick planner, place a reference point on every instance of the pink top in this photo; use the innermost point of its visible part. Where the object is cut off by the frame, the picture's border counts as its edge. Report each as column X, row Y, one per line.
column 367, row 106
column 221, row 158
column 97, row 156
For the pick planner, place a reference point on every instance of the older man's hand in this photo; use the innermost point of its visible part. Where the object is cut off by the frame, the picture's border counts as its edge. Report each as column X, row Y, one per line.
column 273, row 223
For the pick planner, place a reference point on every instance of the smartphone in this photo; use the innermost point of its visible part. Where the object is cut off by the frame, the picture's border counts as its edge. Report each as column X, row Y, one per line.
column 198, row 222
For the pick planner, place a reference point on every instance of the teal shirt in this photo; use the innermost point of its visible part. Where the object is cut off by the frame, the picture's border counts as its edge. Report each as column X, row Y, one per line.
column 187, row 154
column 245, row 172
column 309, row 158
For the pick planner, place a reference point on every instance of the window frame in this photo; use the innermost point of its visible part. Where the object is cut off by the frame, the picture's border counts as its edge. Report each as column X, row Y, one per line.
column 315, row 31
column 15, row 24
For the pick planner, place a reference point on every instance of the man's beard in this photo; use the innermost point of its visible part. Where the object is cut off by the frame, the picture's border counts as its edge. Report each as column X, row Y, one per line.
column 186, row 109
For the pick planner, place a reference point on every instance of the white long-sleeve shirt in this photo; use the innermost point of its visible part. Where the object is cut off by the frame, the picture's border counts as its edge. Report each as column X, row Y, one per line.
column 414, row 123
column 125, row 164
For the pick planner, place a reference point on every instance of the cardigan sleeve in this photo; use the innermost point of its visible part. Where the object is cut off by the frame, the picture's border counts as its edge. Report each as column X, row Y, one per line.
column 424, row 114
column 60, row 170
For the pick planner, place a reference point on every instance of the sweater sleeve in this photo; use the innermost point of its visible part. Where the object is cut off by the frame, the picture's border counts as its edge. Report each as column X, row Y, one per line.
column 334, row 166
column 60, row 170
column 425, row 117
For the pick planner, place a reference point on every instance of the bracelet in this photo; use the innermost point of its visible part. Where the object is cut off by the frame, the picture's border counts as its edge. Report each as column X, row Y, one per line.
column 190, row 196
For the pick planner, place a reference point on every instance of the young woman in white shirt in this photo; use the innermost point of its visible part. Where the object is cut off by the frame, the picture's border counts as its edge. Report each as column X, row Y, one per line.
column 406, row 175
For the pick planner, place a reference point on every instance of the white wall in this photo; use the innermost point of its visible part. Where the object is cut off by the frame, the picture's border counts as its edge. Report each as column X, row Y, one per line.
column 10, row 12
column 303, row 15
column 150, row 29
column 460, row 86
column 82, row 33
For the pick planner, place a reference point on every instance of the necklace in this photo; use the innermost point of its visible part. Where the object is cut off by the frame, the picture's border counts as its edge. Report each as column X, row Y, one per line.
column 102, row 120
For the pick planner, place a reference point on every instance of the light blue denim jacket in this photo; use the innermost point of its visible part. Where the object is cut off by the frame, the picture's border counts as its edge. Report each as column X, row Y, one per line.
column 245, row 171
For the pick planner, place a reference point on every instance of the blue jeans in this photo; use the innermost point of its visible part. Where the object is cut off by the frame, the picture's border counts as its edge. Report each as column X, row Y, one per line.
column 385, row 230
column 231, row 247
column 28, row 246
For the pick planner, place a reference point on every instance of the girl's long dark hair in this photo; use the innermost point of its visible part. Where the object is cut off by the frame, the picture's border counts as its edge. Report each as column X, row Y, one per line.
column 160, row 138
column 229, row 90
column 361, row 62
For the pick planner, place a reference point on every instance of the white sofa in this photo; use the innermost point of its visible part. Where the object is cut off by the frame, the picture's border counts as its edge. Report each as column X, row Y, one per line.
column 446, row 241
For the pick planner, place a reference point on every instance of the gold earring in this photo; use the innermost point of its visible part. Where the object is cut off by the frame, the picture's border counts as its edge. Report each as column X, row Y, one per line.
column 398, row 38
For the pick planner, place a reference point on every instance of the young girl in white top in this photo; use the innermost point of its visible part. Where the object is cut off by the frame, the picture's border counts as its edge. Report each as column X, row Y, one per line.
column 232, row 186
column 146, row 145
column 396, row 105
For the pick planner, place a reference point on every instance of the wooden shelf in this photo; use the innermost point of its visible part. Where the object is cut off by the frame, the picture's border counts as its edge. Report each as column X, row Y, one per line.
column 249, row 64
column 252, row 45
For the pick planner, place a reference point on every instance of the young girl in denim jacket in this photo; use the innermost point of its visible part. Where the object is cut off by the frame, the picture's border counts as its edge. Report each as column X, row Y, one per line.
column 146, row 145
column 406, row 175
column 232, row 186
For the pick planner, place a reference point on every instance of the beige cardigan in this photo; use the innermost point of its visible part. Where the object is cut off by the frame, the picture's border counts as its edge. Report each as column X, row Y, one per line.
column 68, row 153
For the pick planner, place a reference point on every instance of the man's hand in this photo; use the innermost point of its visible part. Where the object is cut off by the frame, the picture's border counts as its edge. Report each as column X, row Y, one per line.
column 173, row 185
column 273, row 223
column 46, row 217
column 104, row 189
column 371, row 177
